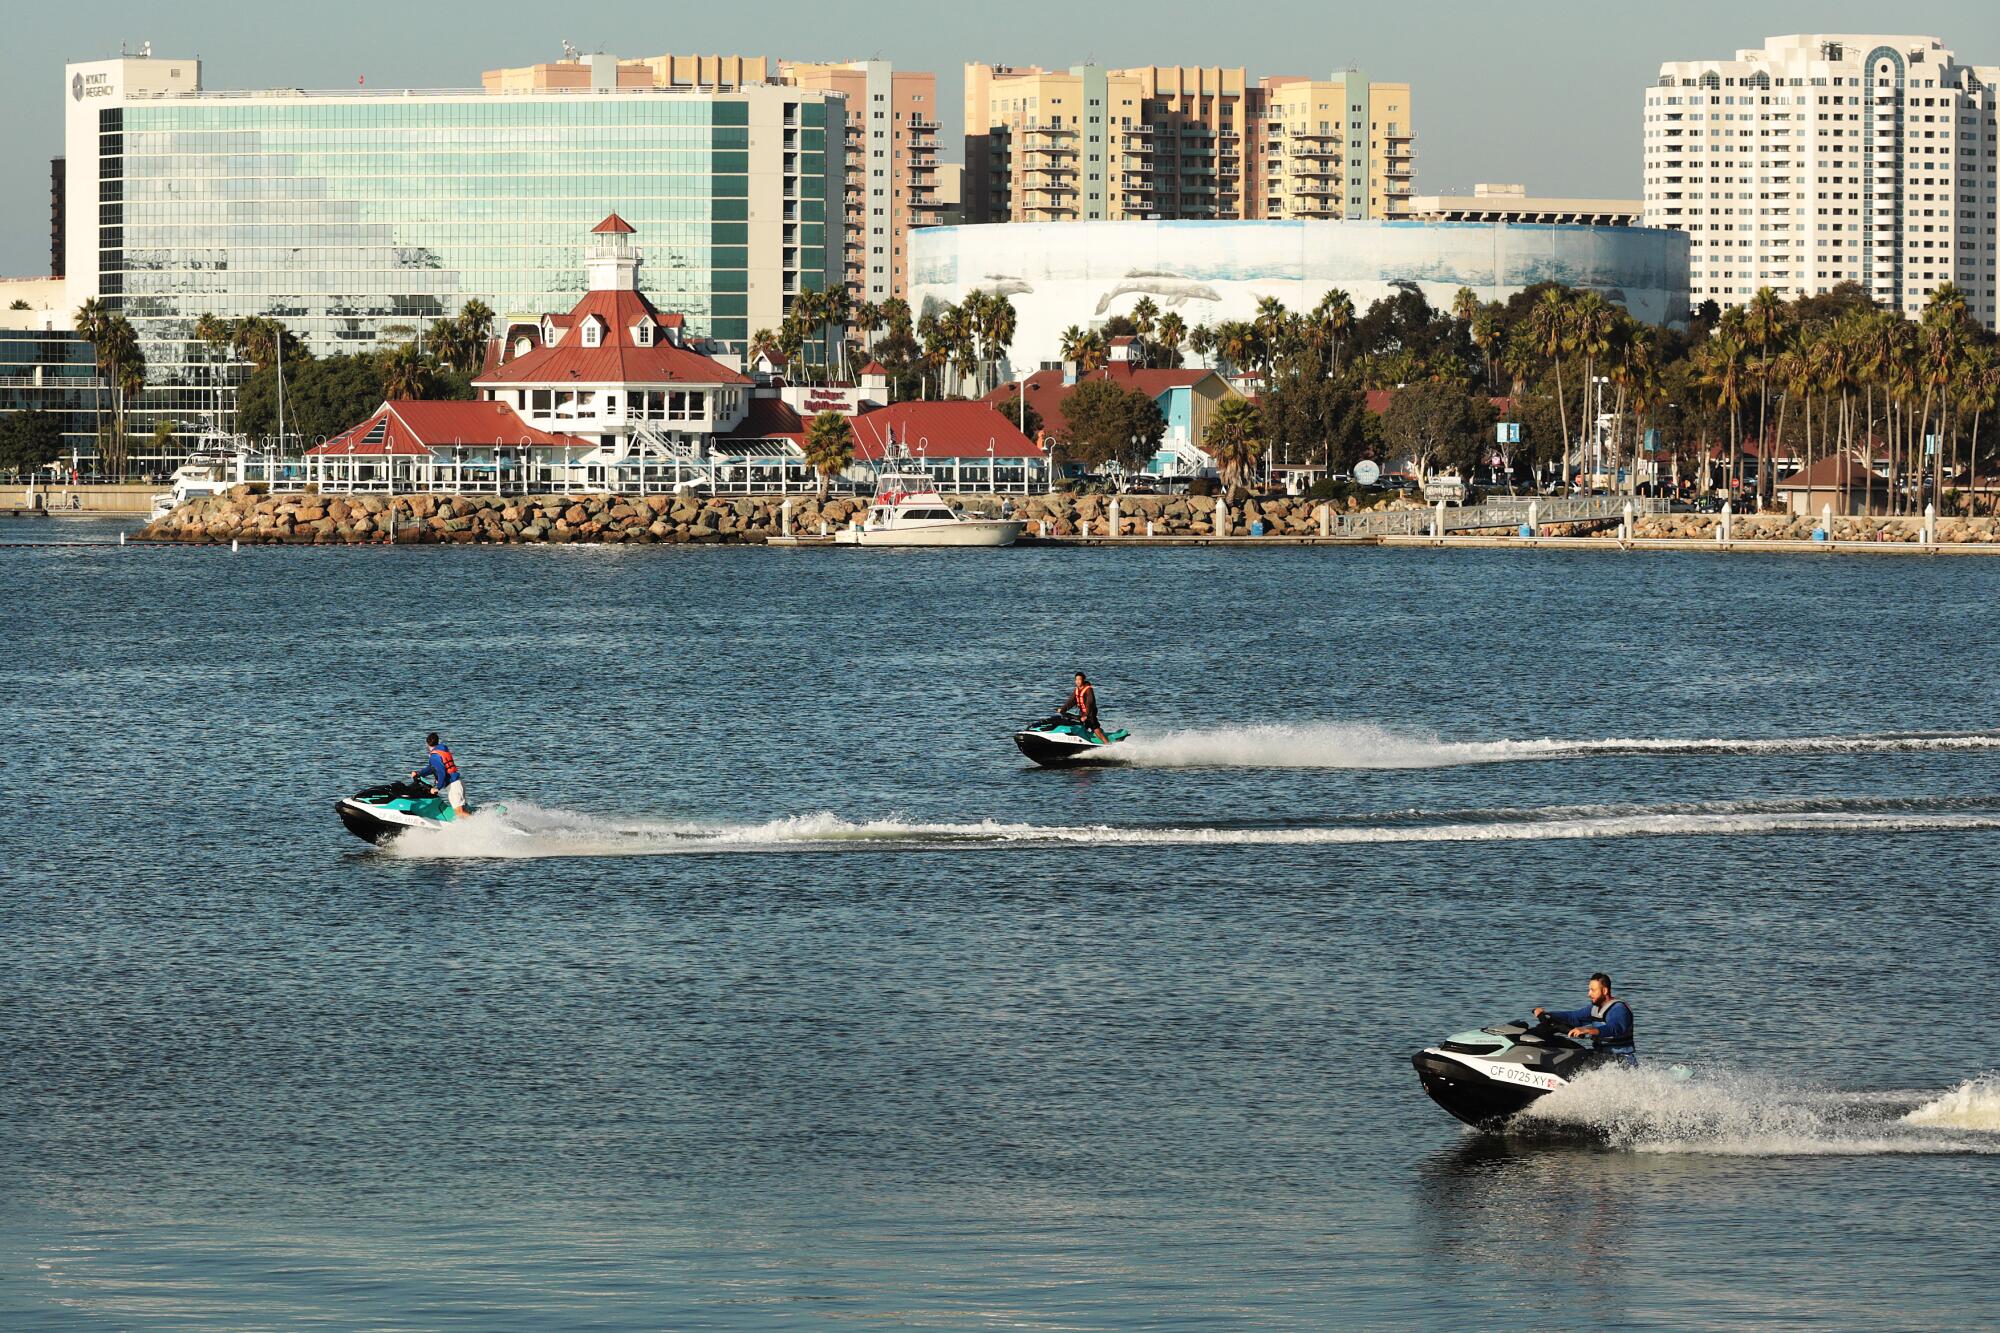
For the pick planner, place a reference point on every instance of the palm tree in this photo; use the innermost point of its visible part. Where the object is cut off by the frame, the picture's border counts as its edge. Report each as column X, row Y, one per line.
column 1486, row 329
column 763, row 343
column 832, row 311
column 405, row 372
column 1093, row 353
column 1549, row 326
column 995, row 328
column 829, row 446
column 1980, row 387
column 1272, row 323
column 1145, row 321
column 1336, row 311
column 1464, row 304
column 1765, row 324
column 1941, row 352
column 1236, row 344
column 123, row 365
column 1172, row 332
column 1721, row 366
column 1593, row 324
column 1201, row 341
column 1234, row 438
column 93, row 325
column 1072, row 343
column 868, row 321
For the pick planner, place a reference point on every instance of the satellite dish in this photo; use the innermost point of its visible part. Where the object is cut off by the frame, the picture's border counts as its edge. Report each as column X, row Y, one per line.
column 1367, row 472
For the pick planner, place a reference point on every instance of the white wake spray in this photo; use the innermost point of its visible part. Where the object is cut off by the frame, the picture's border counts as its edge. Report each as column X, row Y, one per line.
column 525, row 830
column 1364, row 745
column 1662, row 1110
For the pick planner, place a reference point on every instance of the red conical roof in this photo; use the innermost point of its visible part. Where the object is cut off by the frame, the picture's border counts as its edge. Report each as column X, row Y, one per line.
column 614, row 223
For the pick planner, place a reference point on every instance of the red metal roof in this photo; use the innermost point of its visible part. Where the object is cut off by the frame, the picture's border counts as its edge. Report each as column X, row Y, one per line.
column 940, row 430
column 1046, row 389
column 618, row 360
column 614, row 224
column 875, row 368
column 414, row 427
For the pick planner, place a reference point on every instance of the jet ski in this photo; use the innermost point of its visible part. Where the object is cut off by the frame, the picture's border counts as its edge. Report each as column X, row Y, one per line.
column 380, row 813
column 1487, row 1076
column 1063, row 739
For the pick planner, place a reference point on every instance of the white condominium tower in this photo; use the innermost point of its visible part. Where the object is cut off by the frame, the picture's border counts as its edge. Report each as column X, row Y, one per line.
column 1828, row 158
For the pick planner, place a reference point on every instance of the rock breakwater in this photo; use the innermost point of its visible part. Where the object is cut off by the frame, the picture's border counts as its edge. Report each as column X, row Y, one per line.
column 306, row 518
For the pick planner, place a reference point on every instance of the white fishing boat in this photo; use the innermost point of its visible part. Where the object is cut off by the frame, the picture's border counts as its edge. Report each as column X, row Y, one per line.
column 908, row 511
column 209, row 470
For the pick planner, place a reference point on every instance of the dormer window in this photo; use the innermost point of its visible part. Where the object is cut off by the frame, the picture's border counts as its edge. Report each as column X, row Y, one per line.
column 593, row 333
column 523, row 346
column 642, row 333
column 548, row 332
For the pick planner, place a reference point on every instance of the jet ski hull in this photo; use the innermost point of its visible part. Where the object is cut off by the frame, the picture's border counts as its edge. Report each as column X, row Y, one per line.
column 1469, row 1095
column 1054, row 749
column 376, row 823
column 1487, row 1077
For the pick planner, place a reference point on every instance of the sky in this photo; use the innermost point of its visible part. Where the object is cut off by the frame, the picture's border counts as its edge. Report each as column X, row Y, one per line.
column 1545, row 93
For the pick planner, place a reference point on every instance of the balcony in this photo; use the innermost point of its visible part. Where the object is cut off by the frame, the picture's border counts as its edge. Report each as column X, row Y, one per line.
column 1050, row 131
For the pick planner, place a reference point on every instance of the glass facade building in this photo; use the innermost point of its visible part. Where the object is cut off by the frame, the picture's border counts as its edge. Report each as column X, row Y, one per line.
column 54, row 370
column 357, row 218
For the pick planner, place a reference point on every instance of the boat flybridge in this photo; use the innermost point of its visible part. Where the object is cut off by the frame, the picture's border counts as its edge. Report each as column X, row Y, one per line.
column 213, row 467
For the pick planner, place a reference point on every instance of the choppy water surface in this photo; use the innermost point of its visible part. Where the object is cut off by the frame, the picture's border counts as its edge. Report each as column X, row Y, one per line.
column 786, row 994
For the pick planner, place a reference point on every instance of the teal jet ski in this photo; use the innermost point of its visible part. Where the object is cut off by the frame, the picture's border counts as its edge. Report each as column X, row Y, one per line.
column 380, row 813
column 1063, row 739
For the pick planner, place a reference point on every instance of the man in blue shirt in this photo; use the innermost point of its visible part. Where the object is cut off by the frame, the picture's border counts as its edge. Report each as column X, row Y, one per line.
column 1606, row 1020
column 444, row 774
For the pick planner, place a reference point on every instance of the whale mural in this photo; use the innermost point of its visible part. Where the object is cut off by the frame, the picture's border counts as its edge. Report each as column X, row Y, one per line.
column 1064, row 273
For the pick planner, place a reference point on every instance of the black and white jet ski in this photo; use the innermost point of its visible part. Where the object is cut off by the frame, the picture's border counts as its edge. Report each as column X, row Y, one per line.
column 1063, row 739
column 1484, row 1077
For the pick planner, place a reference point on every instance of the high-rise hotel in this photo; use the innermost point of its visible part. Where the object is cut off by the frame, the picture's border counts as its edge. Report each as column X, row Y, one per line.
column 357, row 215
column 1820, row 159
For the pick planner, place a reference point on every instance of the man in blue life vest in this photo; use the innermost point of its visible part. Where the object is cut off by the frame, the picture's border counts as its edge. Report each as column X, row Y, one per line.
column 1606, row 1020
column 443, row 770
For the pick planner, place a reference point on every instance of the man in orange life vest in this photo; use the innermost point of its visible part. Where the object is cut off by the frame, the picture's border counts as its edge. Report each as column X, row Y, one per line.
column 444, row 772
column 1084, row 700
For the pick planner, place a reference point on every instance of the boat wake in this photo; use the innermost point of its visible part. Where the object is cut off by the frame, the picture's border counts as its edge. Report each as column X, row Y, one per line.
column 528, row 831
column 1363, row 745
column 1655, row 1109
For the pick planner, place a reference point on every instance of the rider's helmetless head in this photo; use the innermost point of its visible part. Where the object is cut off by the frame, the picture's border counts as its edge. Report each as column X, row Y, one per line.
column 1600, row 988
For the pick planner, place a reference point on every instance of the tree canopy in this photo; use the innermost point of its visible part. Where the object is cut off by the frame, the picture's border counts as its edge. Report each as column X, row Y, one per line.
column 29, row 440
column 1110, row 424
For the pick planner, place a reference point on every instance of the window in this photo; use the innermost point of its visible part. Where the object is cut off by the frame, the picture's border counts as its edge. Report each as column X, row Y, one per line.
column 592, row 332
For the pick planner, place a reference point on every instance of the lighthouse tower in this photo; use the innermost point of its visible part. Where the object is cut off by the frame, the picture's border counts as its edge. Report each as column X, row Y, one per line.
column 610, row 261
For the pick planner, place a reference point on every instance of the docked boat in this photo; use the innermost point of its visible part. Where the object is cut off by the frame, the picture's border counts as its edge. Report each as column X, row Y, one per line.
column 908, row 511
column 205, row 473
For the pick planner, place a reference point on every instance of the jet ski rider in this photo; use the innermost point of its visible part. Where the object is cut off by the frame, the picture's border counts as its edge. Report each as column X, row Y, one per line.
column 444, row 774
column 1606, row 1020
column 1083, row 700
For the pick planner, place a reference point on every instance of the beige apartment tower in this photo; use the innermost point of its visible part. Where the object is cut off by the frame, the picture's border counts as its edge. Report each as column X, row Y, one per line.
column 1175, row 142
column 892, row 166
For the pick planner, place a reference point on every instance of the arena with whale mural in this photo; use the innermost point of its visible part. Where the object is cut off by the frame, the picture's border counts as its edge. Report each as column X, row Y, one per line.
column 1083, row 273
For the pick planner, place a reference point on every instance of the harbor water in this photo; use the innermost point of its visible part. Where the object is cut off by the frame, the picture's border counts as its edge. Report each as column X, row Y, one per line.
column 784, row 993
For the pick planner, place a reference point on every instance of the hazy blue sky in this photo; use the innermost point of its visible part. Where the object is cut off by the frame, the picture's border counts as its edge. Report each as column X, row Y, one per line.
column 1545, row 92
